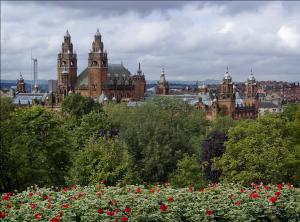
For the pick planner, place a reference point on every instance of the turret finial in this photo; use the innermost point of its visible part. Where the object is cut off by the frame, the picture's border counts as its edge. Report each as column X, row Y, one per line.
column 67, row 33
column 98, row 32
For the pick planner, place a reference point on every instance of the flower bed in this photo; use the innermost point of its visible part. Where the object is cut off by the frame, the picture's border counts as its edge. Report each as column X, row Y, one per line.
column 220, row 202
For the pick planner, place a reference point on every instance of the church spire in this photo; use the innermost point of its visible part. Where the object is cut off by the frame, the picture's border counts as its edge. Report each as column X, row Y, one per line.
column 139, row 71
column 97, row 33
column 67, row 33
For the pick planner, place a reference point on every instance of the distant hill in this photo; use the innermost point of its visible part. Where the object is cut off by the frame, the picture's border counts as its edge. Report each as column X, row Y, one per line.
column 175, row 84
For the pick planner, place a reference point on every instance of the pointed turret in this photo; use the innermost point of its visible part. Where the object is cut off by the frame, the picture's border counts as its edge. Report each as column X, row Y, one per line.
column 97, row 33
column 67, row 34
column 251, row 76
column 139, row 71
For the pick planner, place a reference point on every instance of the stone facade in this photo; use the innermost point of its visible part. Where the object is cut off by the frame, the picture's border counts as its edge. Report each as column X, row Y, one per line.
column 100, row 77
column 225, row 101
column 162, row 87
column 21, row 85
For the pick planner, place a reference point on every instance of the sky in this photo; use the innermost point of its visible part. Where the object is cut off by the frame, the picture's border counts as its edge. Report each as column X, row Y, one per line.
column 191, row 40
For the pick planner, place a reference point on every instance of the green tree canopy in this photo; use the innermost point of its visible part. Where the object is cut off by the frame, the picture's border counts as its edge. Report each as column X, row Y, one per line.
column 188, row 172
column 159, row 133
column 77, row 105
column 260, row 150
column 102, row 159
column 35, row 149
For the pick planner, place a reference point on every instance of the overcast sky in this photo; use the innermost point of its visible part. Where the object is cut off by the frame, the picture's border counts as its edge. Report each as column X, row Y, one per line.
column 192, row 40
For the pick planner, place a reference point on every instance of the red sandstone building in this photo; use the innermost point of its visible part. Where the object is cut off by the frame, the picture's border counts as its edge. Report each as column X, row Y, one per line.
column 226, row 101
column 99, row 78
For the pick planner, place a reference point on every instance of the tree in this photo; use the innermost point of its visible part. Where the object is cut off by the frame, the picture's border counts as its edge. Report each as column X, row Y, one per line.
column 261, row 150
column 188, row 173
column 94, row 124
column 77, row 105
column 6, row 107
column 289, row 111
column 159, row 133
column 102, row 159
column 35, row 149
column 212, row 147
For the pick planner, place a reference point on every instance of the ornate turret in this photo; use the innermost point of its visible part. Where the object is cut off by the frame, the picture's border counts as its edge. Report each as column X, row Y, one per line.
column 97, row 67
column 226, row 91
column 162, row 87
column 66, row 63
column 227, row 95
column 21, row 84
column 251, row 90
column 139, row 84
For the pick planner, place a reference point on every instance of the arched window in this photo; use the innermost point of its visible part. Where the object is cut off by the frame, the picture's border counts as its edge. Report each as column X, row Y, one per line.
column 94, row 63
column 63, row 63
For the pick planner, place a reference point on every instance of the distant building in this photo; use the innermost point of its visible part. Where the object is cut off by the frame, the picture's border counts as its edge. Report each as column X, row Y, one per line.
column 28, row 99
column 228, row 100
column 21, row 85
column 268, row 107
column 100, row 77
column 162, row 87
column 52, row 84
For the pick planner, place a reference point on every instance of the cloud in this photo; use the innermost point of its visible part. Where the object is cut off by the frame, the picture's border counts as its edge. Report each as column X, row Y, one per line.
column 289, row 36
column 192, row 40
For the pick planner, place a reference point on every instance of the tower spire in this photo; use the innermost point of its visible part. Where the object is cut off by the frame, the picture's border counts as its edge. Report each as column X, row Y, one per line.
column 97, row 33
column 67, row 33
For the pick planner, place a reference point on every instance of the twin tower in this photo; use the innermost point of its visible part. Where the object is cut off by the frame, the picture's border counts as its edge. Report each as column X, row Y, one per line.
column 99, row 78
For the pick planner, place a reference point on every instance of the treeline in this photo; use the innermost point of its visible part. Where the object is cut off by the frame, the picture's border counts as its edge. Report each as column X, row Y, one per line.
column 164, row 140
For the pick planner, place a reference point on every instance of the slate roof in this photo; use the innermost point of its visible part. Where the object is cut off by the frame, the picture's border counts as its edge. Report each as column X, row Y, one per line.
column 268, row 105
column 117, row 71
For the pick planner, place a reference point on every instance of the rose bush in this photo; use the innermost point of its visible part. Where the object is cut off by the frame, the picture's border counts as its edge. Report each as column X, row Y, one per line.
column 217, row 202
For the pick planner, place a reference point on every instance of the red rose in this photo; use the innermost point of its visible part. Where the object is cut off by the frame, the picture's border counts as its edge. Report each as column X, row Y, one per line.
column 266, row 187
column 289, row 185
column 66, row 206
column 100, row 211
column 127, row 209
column 209, row 212
column 110, row 213
column 8, row 206
column 2, row 215
column 38, row 216
column 102, row 181
column 242, row 190
column 279, row 186
column 163, row 207
column 273, row 199
column 190, row 189
column 6, row 196
column 277, row 193
column 237, row 203
column 170, row 199
column 33, row 206
column 124, row 219
column 45, row 197
column 253, row 195
column 30, row 194
column 54, row 219
column 138, row 190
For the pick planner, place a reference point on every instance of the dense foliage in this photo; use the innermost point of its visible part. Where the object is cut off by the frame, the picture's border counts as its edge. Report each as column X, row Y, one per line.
column 163, row 140
column 262, row 150
column 78, row 106
column 35, row 149
column 218, row 202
